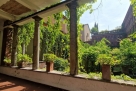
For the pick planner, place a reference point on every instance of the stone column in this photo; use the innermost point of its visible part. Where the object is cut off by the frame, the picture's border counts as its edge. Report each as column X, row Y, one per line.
column 73, row 38
column 6, row 42
column 14, row 45
column 36, row 43
column 3, row 51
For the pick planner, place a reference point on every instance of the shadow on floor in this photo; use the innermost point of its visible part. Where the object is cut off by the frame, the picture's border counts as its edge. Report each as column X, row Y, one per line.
column 8, row 83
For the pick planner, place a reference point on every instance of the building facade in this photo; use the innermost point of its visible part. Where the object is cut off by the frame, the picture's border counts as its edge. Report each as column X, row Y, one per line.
column 85, row 33
column 128, row 27
column 129, row 24
column 113, row 37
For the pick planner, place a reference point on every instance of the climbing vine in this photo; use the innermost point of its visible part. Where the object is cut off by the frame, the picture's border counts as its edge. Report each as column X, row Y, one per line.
column 25, row 35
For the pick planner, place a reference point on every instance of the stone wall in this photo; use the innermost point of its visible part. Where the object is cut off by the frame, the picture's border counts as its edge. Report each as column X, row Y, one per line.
column 65, row 81
column 85, row 33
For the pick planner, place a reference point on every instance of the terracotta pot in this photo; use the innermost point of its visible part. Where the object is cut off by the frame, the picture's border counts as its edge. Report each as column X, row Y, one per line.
column 7, row 64
column 21, row 64
column 49, row 66
column 106, row 72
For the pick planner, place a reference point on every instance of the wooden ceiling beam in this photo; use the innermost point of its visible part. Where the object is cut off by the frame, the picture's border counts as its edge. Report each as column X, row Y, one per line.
column 3, row 2
column 7, row 15
column 28, row 4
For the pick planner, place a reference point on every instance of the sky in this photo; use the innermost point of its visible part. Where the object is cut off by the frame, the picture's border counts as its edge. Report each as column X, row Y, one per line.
column 109, row 15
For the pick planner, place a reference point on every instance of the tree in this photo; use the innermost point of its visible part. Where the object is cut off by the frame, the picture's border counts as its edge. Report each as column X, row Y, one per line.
column 133, row 2
column 128, row 53
column 95, row 29
column 102, row 46
column 88, row 60
column 60, row 47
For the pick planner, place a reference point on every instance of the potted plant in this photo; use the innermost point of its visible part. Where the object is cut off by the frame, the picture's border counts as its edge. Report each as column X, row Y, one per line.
column 23, row 60
column 49, row 59
column 7, row 61
column 105, row 60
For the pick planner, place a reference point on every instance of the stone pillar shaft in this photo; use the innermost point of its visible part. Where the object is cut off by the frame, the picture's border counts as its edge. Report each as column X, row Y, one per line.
column 73, row 38
column 5, row 32
column 14, row 45
column 6, row 42
column 36, row 43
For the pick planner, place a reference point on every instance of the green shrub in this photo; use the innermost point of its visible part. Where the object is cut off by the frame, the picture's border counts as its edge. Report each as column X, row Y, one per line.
column 122, row 77
column 7, row 60
column 61, row 64
column 88, row 61
column 117, row 68
column 49, row 57
column 107, row 59
column 24, row 57
column 95, row 75
column 125, row 77
column 103, row 59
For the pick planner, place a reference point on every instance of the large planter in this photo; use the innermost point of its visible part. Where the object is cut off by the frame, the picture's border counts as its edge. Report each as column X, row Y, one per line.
column 7, row 64
column 106, row 72
column 21, row 64
column 49, row 66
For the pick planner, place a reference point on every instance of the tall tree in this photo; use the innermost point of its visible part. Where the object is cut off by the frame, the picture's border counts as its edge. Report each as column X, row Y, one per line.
column 128, row 53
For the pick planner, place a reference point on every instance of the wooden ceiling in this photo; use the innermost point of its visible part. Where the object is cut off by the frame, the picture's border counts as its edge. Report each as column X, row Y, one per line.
column 14, row 10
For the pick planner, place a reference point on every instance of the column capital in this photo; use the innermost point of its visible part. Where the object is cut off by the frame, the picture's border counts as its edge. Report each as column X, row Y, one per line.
column 72, row 4
column 37, row 18
column 7, row 22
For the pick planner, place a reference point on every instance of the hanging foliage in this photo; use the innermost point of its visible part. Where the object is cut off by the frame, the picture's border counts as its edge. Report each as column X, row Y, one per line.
column 52, row 39
column 25, row 35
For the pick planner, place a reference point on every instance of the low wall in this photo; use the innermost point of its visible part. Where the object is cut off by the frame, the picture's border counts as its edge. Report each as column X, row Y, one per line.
column 64, row 81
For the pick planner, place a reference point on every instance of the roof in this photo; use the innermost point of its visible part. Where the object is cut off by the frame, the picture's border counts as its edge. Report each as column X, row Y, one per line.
column 22, row 11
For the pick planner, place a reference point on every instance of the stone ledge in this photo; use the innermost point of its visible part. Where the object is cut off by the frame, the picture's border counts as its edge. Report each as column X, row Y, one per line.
column 65, row 81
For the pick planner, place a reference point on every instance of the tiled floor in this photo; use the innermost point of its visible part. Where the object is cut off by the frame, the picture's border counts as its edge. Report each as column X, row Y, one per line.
column 8, row 83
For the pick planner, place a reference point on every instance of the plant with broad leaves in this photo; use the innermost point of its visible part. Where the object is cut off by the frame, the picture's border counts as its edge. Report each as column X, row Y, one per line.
column 24, row 58
column 49, row 57
column 61, row 64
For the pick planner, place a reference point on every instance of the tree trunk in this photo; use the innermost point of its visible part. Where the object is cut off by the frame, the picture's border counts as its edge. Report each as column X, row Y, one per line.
column 23, row 48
